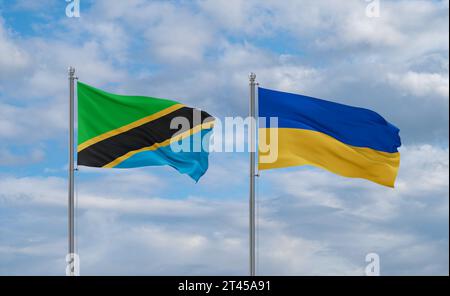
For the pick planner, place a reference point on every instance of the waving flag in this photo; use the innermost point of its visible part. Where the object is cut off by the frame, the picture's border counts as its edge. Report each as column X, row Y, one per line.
column 116, row 131
column 349, row 141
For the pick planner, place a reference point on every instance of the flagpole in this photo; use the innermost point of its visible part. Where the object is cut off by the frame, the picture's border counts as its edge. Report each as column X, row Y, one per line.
column 71, row 207
column 252, row 78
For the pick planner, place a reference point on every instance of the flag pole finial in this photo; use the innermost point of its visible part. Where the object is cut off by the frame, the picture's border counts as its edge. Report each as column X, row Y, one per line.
column 71, row 71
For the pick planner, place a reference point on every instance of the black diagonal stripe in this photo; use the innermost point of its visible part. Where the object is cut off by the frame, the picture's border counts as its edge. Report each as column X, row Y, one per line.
column 156, row 131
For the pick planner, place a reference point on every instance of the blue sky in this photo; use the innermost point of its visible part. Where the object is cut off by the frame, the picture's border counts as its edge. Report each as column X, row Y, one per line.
column 156, row 221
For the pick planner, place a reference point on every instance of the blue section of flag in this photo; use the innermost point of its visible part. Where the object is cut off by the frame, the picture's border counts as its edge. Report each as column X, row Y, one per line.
column 194, row 164
column 351, row 125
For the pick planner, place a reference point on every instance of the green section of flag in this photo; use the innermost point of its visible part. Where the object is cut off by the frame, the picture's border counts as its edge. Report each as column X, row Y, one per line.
column 100, row 112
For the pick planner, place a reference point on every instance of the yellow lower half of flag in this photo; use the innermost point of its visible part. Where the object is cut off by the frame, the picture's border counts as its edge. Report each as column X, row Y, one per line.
column 286, row 147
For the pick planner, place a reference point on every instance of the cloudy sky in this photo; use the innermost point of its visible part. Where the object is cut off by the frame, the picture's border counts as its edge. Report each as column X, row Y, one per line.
column 154, row 221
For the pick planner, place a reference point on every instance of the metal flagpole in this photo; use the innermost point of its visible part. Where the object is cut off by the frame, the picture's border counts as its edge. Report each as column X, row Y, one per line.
column 71, row 207
column 252, row 78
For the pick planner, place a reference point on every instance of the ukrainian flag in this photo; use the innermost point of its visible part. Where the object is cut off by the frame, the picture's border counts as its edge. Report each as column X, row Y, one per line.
column 349, row 141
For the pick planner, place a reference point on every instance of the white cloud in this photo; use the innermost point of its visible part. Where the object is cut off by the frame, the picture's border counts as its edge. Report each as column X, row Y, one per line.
column 423, row 172
column 354, row 217
column 238, row 16
column 40, row 95
column 421, row 84
column 12, row 58
column 31, row 123
column 324, row 225
column 173, row 33
column 179, row 38
column 53, row 59
column 8, row 158
column 345, row 24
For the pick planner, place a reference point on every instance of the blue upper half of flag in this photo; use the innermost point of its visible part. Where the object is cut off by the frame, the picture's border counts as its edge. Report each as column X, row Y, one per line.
column 351, row 125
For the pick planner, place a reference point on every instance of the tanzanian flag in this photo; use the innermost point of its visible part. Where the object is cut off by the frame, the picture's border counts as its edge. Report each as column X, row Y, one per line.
column 349, row 141
column 116, row 131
